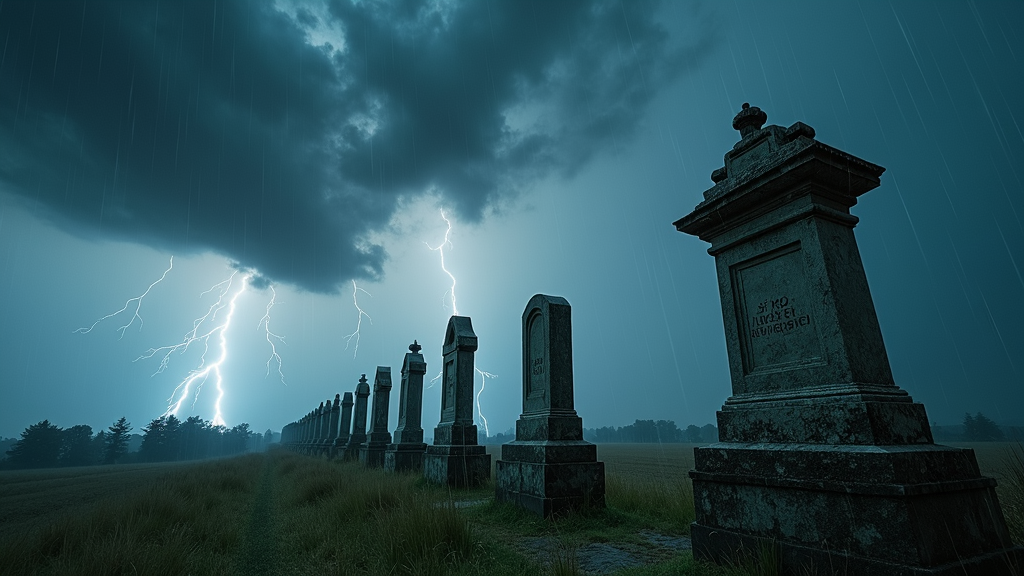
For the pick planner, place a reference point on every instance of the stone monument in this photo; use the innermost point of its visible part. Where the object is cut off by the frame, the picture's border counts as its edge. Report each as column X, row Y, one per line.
column 455, row 458
column 549, row 468
column 406, row 454
column 344, row 426
column 820, row 452
column 371, row 452
column 332, row 427
column 358, row 435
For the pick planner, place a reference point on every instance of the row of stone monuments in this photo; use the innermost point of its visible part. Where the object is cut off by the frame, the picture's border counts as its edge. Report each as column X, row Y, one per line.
column 548, row 469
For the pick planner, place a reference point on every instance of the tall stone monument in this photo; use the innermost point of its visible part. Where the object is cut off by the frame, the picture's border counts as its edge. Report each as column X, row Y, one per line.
column 344, row 426
column 406, row 454
column 549, row 468
column 820, row 451
column 371, row 452
column 455, row 458
column 358, row 435
column 332, row 427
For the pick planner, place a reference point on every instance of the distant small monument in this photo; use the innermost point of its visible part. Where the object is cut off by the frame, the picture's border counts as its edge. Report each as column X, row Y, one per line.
column 549, row 468
column 343, row 428
column 371, row 452
column 358, row 435
column 820, row 453
column 406, row 454
column 332, row 427
column 455, row 459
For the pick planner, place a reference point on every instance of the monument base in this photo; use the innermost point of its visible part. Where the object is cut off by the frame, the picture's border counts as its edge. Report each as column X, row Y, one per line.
column 918, row 509
column 351, row 451
column 372, row 455
column 550, row 477
column 465, row 466
column 404, row 457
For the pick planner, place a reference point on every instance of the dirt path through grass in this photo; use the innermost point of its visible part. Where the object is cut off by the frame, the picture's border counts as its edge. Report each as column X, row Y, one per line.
column 259, row 555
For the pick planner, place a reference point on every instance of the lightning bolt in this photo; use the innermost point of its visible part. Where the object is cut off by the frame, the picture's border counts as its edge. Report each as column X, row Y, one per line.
column 359, row 319
column 138, row 306
column 265, row 324
column 483, row 383
column 202, row 373
column 440, row 249
column 455, row 311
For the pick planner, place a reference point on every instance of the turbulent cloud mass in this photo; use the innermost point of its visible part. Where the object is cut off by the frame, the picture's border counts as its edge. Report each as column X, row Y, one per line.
column 281, row 136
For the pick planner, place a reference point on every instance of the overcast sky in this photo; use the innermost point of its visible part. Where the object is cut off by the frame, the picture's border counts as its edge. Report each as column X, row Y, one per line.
column 303, row 146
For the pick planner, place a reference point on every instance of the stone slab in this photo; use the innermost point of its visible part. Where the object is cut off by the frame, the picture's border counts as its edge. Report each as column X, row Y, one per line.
column 550, row 489
column 457, row 466
column 404, row 457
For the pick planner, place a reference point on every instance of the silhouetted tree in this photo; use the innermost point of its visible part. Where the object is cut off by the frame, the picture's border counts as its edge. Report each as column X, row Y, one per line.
column 709, row 433
column 116, row 441
column 693, row 434
column 161, row 440
column 76, row 447
column 980, row 428
column 39, row 447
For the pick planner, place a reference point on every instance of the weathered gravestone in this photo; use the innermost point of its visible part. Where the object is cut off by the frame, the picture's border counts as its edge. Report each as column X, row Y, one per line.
column 358, row 435
column 406, row 454
column 455, row 458
column 344, row 426
column 371, row 452
column 549, row 468
column 332, row 427
column 820, row 452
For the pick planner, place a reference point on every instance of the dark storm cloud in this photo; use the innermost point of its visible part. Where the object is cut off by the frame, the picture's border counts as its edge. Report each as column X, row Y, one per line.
column 216, row 126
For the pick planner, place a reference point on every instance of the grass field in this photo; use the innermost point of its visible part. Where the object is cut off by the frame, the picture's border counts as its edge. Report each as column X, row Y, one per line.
column 280, row 513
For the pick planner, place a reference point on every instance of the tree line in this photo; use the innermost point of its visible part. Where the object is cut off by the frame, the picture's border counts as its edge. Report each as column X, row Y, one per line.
column 652, row 431
column 165, row 439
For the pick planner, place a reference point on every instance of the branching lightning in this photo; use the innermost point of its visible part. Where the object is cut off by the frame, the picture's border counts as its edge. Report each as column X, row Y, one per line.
column 440, row 248
column 201, row 374
column 138, row 306
column 265, row 324
column 455, row 311
column 359, row 318
column 483, row 383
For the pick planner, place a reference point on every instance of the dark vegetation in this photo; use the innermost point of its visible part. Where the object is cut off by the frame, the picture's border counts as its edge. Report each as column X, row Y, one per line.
column 165, row 439
column 281, row 513
column 651, row 431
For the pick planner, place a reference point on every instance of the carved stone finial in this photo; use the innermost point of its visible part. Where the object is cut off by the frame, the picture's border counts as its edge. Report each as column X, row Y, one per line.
column 749, row 120
column 415, row 347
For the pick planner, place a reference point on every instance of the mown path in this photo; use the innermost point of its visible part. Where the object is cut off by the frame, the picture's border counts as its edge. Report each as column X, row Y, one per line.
column 258, row 555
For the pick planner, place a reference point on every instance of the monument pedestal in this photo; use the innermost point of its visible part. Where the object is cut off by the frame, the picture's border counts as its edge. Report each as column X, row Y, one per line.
column 404, row 457
column 549, row 477
column 372, row 452
column 820, row 453
column 455, row 459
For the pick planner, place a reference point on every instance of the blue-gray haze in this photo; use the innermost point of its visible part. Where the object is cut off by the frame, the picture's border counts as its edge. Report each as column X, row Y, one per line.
column 313, row 144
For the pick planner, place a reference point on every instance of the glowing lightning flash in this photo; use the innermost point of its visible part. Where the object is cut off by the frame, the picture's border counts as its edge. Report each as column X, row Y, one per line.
column 359, row 319
column 440, row 248
column 201, row 373
column 138, row 306
column 265, row 324
column 483, row 383
column 455, row 311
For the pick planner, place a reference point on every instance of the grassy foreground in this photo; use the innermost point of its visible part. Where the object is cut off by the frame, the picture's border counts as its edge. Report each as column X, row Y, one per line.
column 279, row 513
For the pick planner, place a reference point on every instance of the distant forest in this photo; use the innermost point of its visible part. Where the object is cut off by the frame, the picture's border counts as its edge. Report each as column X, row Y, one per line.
column 165, row 439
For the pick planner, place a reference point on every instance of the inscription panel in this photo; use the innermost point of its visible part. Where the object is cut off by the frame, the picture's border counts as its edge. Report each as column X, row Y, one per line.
column 448, row 399
column 775, row 323
column 537, row 397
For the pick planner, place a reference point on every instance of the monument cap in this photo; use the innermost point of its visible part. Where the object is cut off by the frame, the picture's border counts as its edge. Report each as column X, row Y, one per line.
column 749, row 120
column 415, row 347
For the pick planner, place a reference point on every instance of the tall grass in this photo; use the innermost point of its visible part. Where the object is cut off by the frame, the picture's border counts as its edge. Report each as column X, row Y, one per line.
column 185, row 522
column 344, row 519
column 666, row 501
